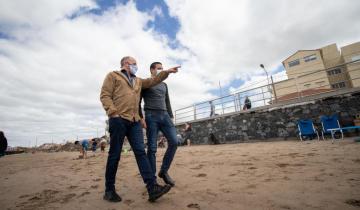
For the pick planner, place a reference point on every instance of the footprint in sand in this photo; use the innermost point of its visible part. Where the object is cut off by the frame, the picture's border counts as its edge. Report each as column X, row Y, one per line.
column 83, row 194
column 97, row 180
column 211, row 193
column 72, row 187
column 193, row 206
column 224, row 190
column 298, row 164
column 197, row 167
column 286, row 178
column 252, row 168
column 353, row 202
column 282, row 165
column 268, row 180
column 67, row 197
column 201, row 175
column 285, row 207
column 128, row 202
column 94, row 186
column 40, row 199
column 24, row 196
column 251, row 186
column 356, row 160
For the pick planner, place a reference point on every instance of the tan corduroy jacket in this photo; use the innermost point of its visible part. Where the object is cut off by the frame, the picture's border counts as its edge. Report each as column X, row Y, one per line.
column 120, row 97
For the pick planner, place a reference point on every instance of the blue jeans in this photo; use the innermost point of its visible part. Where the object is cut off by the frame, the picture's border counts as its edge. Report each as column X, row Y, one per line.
column 119, row 128
column 155, row 121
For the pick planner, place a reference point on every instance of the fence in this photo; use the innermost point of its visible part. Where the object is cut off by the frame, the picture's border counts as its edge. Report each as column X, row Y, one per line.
column 346, row 75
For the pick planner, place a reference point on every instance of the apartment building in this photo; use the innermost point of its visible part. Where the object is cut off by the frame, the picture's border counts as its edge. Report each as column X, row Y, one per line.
column 351, row 55
column 320, row 70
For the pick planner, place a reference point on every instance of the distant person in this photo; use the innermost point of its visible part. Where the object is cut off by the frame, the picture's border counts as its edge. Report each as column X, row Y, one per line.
column 212, row 109
column 247, row 103
column 159, row 117
column 103, row 145
column 180, row 139
column 3, row 144
column 187, row 134
column 93, row 145
column 120, row 97
column 161, row 143
column 213, row 139
column 84, row 144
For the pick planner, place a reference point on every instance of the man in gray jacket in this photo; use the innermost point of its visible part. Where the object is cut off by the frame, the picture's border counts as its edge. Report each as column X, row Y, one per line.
column 159, row 117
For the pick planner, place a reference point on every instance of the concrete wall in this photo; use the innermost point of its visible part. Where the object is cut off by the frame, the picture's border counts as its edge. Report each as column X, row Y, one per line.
column 272, row 123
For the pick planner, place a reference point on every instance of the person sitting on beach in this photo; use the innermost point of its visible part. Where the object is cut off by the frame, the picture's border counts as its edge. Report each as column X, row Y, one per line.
column 3, row 144
column 187, row 134
column 161, row 143
column 102, row 145
column 84, row 146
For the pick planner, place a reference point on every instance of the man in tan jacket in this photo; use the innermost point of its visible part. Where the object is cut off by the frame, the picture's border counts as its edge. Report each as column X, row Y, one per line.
column 120, row 96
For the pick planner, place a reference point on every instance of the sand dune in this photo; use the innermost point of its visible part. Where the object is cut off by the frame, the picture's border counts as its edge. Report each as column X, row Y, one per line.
column 272, row 175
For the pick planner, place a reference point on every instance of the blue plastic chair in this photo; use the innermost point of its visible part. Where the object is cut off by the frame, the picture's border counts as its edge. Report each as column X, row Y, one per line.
column 306, row 128
column 330, row 122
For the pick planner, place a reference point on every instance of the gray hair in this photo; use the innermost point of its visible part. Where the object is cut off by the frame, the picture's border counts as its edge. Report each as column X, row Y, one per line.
column 123, row 60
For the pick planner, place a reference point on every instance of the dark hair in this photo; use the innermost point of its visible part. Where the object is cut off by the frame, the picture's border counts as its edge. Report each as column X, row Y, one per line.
column 123, row 60
column 153, row 65
column 2, row 134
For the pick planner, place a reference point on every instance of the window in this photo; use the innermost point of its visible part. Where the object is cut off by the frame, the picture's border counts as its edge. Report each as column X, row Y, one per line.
column 334, row 71
column 355, row 57
column 294, row 63
column 338, row 85
column 310, row 58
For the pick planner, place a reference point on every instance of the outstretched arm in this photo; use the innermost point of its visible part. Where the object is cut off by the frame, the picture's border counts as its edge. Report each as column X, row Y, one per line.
column 150, row 82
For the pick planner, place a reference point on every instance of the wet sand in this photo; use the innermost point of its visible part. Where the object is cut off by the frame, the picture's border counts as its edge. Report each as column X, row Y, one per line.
column 264, row 175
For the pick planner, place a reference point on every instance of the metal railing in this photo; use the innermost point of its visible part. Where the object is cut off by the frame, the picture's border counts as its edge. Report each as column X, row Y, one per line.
column 272, row 93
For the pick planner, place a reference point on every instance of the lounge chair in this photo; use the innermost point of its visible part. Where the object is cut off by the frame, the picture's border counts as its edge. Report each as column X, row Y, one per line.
column 330, row 122
column 306, row 128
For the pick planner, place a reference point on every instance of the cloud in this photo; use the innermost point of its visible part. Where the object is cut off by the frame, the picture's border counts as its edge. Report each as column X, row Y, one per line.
column 53, row 67
column 231, row 38
column 56, row 53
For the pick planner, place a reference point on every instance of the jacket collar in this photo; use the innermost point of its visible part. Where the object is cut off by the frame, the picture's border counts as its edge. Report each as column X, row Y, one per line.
column 130, row 80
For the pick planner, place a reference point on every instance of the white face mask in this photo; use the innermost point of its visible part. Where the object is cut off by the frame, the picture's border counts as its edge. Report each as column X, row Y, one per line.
column 158, row 71
column 133, row 69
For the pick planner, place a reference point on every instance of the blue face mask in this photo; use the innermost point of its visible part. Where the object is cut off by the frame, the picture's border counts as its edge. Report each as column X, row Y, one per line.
column 133, row 69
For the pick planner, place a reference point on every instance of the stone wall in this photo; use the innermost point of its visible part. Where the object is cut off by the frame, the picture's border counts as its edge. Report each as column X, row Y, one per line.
column 272, row 123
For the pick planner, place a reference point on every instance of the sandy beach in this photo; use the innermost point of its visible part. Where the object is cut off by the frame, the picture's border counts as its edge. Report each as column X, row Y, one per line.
column 264, row 175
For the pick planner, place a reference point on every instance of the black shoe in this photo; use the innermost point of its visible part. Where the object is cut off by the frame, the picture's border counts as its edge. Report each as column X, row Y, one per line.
column 157, row 191
column 167, row 179
column 112, row 196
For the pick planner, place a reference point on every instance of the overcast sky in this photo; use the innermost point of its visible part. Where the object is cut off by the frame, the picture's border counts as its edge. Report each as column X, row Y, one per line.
column 55, row 54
